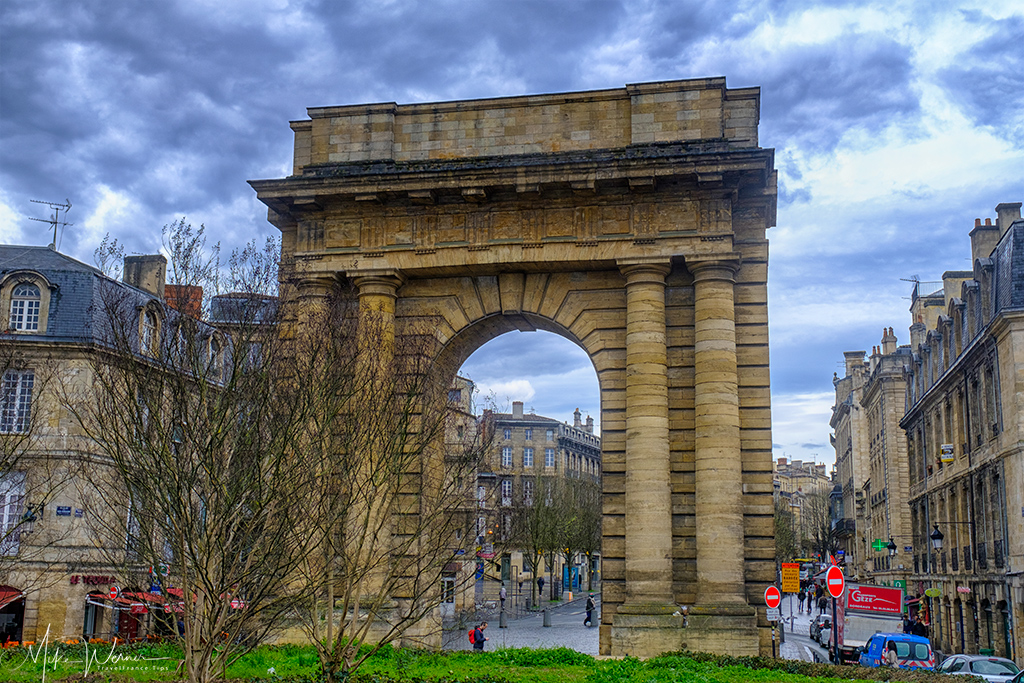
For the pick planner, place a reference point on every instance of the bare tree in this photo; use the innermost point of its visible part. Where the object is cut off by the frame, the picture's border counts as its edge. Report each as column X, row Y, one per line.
column 199, row 428
column 579, row 519
column 818, row 535
column 536, row 525
column 394, row 490
column 786, row 540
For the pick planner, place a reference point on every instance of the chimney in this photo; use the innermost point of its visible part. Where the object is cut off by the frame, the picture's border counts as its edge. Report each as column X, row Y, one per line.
column 187, row 299
column 576, row 420
column 854, row 359
column 782, row 463
column 147, row 272
column 983, row 239
column 888, row 341
column 590, row 425
column 1006, row 214
column 517, row 410
column 918, row 333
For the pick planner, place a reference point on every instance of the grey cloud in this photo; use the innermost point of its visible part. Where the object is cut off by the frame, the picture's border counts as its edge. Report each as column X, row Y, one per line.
column 988, row 82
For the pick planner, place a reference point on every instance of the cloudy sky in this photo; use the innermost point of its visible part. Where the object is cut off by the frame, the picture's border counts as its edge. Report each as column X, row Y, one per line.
column 895, row 124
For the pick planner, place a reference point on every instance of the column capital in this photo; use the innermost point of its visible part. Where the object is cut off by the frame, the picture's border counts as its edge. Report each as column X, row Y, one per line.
column 651, row 269
column 319, row 283
column 383, row 282
column 723, row 268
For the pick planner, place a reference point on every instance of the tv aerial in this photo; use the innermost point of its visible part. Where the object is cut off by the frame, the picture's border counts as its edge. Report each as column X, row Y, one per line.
column 55, row 219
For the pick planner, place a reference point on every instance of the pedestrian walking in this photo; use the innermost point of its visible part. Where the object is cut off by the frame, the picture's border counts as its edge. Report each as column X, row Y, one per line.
column 502, row 594
column 800, row 598
column 810, row 600
column 478, row 637
column 540, row 588
column 590, row 611
column 822, row 604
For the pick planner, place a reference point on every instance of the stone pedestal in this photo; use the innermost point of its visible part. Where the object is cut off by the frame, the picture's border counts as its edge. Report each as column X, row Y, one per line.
column 647, row 630
column 723, row 628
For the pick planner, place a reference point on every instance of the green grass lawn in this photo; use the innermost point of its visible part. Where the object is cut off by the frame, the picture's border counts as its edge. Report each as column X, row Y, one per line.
column 295, row 664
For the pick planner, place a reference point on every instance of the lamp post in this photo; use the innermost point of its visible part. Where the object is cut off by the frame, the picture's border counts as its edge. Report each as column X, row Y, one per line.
column 937, row 537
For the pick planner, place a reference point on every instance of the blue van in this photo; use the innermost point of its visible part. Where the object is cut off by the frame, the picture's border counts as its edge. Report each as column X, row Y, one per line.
column 912, row 652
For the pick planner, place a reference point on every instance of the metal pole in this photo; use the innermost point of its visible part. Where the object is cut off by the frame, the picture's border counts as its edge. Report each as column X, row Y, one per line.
column 773, row 640
column 835, row 635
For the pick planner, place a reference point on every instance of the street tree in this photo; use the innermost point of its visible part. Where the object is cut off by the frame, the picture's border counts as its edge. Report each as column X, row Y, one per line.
column 197, row 435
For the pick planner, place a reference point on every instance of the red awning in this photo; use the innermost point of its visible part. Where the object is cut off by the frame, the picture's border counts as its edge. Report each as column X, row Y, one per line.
column 9, row 595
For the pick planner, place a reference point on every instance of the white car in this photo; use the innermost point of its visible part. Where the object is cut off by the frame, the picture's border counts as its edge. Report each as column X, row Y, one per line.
column 992, row 669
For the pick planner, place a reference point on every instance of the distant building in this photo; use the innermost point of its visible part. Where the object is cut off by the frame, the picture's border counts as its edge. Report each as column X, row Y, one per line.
column 851, row 442
column 795, row 481
column 527, row 447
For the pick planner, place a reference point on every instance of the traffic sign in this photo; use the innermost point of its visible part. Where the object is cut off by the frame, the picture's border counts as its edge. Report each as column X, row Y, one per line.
column 790, row 577
column 835, row 581
column 114, row 593
column 772, row 597
column 774, row 614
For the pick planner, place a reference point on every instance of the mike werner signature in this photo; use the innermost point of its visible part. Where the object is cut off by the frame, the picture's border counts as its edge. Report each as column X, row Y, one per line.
column 51, row 659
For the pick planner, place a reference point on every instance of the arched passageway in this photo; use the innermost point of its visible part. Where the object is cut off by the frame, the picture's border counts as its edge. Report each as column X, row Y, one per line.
column 631, row 221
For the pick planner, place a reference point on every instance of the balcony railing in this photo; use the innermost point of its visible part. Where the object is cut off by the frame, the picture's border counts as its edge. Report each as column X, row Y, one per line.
column 845, row 526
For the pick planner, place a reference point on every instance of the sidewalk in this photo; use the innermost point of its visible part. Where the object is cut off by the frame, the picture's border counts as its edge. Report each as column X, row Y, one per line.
column 566, row 630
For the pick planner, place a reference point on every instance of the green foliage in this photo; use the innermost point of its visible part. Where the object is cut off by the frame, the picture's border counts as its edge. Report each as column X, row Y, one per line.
column 526, row 657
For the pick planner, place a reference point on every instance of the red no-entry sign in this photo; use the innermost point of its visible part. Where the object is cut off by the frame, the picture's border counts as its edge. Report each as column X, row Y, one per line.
column 772, row 597
column 835, row 581
column 114, row 593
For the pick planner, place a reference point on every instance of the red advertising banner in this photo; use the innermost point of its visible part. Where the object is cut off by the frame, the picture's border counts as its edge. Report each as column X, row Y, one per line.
column 880, row 599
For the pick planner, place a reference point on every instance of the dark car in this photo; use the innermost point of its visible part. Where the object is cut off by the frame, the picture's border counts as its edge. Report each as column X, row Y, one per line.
column 818, row 624
column 992, row 669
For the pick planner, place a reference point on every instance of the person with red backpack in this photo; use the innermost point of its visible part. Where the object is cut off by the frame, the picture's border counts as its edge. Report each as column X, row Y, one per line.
column 476, row 636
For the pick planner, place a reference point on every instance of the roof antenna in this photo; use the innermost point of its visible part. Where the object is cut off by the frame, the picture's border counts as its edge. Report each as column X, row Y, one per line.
column 54, row 220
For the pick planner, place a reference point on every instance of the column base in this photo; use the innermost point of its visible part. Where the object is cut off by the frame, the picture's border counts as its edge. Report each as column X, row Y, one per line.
column 727, row 629
column 646, row 630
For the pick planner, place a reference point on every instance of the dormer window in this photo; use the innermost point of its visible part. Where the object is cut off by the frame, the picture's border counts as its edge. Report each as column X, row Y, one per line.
column 25, row 302
column 216, row 357
column 149, row 333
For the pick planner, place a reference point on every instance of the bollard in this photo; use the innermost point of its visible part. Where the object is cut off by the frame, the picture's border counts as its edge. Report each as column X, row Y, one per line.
column 503, row 620
column 547, row 618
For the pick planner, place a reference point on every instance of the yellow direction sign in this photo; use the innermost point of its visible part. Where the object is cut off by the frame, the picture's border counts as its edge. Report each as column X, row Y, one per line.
column 790, row 577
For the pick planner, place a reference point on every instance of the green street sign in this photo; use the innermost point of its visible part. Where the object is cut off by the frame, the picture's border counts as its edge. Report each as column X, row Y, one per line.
column 879, row 544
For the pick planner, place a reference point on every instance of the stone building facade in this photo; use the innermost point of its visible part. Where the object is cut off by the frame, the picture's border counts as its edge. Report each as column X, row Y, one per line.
column 886, row 490
column 56, row 566
column 631, row 221
column 850, row 439
column 795, row 480
column 964, row 410
column 527, row 448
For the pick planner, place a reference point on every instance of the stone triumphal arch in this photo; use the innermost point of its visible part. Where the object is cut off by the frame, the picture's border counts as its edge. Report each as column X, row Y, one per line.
column 631, row 221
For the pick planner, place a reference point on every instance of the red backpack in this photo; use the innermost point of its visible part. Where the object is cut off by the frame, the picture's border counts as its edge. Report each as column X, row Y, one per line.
column 472, row 635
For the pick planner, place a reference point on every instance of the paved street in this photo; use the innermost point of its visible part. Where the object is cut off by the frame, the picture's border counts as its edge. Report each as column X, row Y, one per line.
column 798, row 643
column 566, row 630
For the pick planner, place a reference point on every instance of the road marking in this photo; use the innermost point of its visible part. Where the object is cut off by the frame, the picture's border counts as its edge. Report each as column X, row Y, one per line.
column 810, row 655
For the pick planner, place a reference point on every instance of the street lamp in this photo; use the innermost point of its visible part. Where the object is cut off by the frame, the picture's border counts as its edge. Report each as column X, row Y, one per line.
column 937, row 537
column 892, row 547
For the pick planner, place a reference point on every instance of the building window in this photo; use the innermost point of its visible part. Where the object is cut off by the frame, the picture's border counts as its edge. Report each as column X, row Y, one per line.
column 506, row 492
column 481, row 496
column 506, row 456
column 549, row 457
column 454, row 395
column 527, row 457
column 12, row 498
column 149, row 333
column 481, row 527
column 216, row 360
column 528, row 492
column 16, row 401
column 528, row 434
column 508, row 434
column 25, row 302
column 550, row 435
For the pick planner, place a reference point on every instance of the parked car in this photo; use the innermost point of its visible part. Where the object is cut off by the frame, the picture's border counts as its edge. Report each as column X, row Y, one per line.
column 992, row 669
column 912, row 652
column 822, row 621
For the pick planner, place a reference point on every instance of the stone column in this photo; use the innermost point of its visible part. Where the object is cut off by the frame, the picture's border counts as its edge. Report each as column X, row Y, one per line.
column 378, row 291
column 648, row 622
column 648, row 492
column 718, row 473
